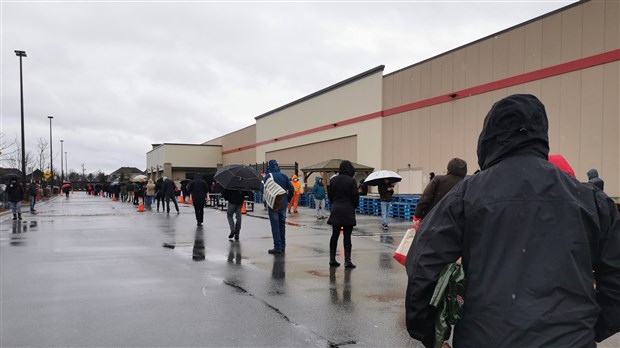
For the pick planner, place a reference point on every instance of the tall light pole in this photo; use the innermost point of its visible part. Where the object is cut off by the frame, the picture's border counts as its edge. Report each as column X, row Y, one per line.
column 66, row 164
column 62, row 173
column 21, row 54
column 51, row 153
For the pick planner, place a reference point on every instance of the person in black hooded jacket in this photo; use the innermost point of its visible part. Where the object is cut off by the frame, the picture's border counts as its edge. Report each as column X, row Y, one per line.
column 198, row 188
column 344, row 198
column 533, row 242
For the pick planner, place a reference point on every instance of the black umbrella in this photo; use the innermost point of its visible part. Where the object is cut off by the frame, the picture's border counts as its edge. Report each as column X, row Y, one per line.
column 238, row 177
column 9, row 176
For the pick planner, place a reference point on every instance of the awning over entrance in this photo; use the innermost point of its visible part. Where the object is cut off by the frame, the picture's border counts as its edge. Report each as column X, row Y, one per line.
column 330, row 167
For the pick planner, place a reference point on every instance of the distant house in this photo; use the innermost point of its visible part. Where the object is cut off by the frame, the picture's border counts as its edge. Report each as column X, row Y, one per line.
column 37, row 175
column 125, row 173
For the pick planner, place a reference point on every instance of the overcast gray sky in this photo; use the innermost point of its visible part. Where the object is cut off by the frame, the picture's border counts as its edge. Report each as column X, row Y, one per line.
column 120, row 75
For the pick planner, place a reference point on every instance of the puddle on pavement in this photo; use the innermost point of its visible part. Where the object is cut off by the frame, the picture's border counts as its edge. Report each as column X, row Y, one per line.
column 386, row 297
column 317, row 273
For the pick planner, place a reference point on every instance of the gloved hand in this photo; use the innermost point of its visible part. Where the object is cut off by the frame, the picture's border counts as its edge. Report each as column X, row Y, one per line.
column 416, row 222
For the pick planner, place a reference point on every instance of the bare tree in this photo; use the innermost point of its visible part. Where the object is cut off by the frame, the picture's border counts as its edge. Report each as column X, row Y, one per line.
column 8, row 148
column 42, row 153
column 14, row 159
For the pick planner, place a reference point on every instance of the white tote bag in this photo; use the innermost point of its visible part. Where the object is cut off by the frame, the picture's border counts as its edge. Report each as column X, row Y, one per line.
column 273, row 193
column 400, row 254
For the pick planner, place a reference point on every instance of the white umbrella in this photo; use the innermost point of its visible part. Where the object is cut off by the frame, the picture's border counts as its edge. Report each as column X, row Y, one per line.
column 375, row 178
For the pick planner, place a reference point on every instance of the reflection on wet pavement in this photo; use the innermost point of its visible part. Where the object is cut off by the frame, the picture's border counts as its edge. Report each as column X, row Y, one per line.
column 18, row 228
column 278, row 274
column 234, row 253
column 198, row 252
column 343, row 301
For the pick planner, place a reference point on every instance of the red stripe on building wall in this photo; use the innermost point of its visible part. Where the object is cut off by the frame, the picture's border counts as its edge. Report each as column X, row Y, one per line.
column 555, row 70
column 308, row 131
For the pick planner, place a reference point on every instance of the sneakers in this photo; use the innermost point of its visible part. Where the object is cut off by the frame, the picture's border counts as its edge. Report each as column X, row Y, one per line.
column 274, row 252
column 199, row 223
column 232, row 235
column 385, row 226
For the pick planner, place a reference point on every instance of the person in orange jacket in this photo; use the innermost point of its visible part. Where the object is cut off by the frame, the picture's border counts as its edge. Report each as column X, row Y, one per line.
column 293, row 203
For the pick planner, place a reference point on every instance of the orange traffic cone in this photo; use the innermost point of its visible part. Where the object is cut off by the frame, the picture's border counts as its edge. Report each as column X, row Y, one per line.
column 243, row 208
column 181, row 198
column 190, row 200
column 141, row 207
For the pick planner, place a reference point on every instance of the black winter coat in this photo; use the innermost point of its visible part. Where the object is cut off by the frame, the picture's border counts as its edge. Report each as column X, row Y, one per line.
column 343, row 197
column 198, row 188
column 533, row 240
column 15, row 192
column 168, row 187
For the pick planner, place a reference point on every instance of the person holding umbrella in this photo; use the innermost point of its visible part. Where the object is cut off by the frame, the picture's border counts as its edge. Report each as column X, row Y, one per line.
column 198, row 188
column 235, row 200
column 66, row 188
column 15, row 195
column 386, row 190
column 236, row 180
column 385, row 180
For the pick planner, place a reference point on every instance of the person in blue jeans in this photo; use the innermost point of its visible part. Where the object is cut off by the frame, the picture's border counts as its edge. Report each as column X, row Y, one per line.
column 386, row 190
column 277, row 218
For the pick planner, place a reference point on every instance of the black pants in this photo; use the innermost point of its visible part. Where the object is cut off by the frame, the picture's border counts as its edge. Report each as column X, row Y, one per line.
column 174, row 200
column 333, row 242
column 199, row 210
column 160, row 199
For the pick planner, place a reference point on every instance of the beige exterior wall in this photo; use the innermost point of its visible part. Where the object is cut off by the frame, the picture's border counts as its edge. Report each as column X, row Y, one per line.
column 183, row 155
column 358, row 98
column 582, row 106
column 236, row 140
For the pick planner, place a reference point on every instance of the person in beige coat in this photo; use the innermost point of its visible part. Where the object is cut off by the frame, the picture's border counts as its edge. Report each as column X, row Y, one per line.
column 149, row 194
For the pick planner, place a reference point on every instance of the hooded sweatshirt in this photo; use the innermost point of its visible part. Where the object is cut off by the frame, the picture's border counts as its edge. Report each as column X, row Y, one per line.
column 280, row 178
column 530, row 238
column 343, row 196
column 318, row 190
column 440, row 186
column 595, row 180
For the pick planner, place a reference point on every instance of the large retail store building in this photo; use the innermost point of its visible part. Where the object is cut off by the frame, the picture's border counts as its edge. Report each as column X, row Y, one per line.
column 416, row 119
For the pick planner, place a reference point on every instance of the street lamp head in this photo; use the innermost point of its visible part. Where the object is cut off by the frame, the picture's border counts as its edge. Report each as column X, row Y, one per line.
column 50, row 117
column 20, row 53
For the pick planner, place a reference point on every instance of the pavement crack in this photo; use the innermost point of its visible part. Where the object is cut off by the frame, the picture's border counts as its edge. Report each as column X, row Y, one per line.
column 337, row 345
column 286, row 318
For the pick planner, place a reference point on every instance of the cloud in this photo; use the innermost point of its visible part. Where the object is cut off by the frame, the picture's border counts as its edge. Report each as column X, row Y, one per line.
column 120, row 76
